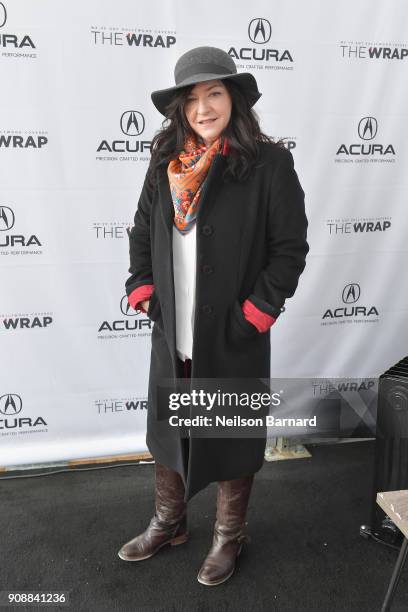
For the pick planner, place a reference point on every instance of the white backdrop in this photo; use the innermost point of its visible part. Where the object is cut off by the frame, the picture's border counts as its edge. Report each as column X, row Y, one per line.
column 74, row 361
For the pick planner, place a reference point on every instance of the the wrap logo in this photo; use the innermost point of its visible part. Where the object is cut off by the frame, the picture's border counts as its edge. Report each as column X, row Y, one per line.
column 373, row 51
column 111, row 230
column 134, row 321
column 133, row 37
column 7, row 220
column 364, row 225
column 120, row 405
column 11, row 405
column 259, row 33
column 132, row 124
column 26, row 321
column 17, row 141
column 289, row 142
column 367, row 150
column 350, row 313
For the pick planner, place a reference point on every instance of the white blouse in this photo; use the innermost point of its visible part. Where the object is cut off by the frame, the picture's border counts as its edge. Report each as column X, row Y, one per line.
column 184, row 268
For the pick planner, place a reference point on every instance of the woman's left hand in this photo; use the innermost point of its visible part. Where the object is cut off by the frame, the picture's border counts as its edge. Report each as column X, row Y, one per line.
column 145, row 305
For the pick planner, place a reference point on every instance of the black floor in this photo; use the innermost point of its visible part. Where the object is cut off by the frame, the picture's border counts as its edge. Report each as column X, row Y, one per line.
column 62, row 533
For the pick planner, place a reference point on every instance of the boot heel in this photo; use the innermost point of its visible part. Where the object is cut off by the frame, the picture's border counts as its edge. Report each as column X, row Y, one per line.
column 179, row 539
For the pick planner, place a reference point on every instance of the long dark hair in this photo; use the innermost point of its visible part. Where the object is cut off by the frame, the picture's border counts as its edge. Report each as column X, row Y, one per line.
column 243, row 133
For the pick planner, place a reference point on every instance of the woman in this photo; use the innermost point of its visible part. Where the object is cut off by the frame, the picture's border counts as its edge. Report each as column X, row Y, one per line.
column 218, row 244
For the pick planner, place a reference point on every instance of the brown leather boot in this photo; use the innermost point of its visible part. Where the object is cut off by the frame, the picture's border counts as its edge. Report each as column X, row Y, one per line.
column 229, row 531
column 169, row 523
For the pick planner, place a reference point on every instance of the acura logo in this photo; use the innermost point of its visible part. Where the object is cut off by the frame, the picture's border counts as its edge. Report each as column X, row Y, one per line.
column 367, row 128
column 3, row 15
column 6, row 218
column 10, row 404
column 259, row 31
column 351, row 293
column 132, row 123
column 126, row 308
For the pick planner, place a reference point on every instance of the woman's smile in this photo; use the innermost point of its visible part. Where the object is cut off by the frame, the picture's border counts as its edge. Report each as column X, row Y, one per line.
column 203, row 100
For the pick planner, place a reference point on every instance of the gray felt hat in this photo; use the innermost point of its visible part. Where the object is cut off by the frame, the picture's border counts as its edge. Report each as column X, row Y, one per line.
column 205, row 64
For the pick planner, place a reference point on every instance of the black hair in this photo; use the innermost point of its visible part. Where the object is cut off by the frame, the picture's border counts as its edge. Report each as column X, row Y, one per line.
column 243, row 133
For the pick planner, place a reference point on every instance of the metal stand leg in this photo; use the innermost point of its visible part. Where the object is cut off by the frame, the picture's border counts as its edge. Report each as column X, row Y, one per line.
column 395, row 576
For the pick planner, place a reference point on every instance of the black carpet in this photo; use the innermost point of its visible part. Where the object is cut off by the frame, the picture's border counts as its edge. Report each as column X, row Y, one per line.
column 61, row 533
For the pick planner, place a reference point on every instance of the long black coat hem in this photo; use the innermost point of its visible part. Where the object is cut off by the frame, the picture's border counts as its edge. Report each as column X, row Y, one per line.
column 230, row 472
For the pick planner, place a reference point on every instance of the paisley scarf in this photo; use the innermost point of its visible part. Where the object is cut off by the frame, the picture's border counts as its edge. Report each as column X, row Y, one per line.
column 187, row 174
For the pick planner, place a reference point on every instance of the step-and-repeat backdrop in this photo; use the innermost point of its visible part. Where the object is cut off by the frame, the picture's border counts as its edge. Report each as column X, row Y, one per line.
column 76, row 123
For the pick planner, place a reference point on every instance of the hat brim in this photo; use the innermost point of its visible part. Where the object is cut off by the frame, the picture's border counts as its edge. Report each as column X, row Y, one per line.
column 162, row 97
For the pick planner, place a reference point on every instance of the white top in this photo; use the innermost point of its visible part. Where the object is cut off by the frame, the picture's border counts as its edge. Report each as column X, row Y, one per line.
column 184, row 268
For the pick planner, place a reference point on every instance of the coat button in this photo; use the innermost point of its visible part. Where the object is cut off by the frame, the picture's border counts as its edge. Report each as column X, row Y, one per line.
column 207, row 230
column 206, row 309
column 207, row 269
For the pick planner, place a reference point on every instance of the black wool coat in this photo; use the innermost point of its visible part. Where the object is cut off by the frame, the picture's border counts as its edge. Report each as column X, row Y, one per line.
column 251, row 243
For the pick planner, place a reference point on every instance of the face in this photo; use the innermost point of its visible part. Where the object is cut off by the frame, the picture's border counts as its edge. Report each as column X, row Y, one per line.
column 208, row 109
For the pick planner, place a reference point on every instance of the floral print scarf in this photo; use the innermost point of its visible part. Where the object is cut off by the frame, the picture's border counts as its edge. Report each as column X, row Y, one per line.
column 187, row 174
